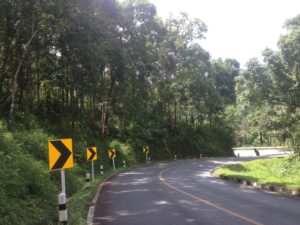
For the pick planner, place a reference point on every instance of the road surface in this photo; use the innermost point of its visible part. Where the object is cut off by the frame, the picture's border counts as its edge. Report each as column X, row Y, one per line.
column 183, row 192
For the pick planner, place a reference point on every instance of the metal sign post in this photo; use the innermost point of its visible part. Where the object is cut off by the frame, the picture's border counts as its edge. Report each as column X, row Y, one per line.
column 63, row 181
column 113, row 162
column 93, row 176
column 62, row 206
column 146, row 157
column 62, row 200
column 87, row 181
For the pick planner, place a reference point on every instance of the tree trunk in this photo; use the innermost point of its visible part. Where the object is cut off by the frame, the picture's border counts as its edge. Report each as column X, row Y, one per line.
column 261, row 137
column 38, row 87
column 72, row 106
column 93, row 114
column 170, row 116
column 6, row 51
column 103, row 119
column 107, row 104
column 175, row 116
column 15, row 80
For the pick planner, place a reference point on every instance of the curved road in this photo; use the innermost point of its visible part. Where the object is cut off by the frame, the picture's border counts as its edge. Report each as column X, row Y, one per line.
column 183, row 192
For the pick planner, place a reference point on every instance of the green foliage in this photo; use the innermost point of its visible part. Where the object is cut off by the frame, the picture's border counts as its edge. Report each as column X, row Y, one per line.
column 33, row 142
column 124, row 152
column 268, row 94
column 207, row 142
column 27, row 194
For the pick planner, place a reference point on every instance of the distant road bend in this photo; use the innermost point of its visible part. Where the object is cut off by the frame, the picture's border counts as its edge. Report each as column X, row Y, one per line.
column 183, row 193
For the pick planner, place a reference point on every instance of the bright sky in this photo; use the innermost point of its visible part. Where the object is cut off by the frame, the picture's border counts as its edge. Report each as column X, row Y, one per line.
column 239, row 29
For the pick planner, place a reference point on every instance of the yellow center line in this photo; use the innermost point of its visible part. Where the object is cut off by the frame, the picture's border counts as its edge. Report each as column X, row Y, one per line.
column 206, row 201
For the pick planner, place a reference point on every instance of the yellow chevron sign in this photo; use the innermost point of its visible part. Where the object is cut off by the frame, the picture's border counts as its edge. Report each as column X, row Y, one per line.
column 60, row 154
column 91, row 153
column 112, row 153
column 146, row 149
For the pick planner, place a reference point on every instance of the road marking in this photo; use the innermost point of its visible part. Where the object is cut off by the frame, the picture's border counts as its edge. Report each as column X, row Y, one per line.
column 206, row 201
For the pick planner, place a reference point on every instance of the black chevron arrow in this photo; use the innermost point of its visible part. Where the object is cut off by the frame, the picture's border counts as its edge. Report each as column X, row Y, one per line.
column 93, row 153
column 113, row 153
column 64, row 154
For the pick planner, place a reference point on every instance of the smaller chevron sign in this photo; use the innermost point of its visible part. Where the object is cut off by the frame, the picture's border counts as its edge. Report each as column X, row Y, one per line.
column 112, row 153
column 91, row 153
column 146, row 149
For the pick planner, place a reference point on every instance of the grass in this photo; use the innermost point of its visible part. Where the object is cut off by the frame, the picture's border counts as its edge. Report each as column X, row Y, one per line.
column 78, row 204
column 283, row 171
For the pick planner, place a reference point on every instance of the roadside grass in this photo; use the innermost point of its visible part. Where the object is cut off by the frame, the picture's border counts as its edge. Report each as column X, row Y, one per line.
column 78, row 204
column 282, row 171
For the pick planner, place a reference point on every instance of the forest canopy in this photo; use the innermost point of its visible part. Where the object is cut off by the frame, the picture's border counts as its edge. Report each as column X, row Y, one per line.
column 112, row 68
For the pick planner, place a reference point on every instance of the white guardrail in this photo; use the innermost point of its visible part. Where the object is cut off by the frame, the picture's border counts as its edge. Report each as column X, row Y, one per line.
column 262, row 151
column 260, row 148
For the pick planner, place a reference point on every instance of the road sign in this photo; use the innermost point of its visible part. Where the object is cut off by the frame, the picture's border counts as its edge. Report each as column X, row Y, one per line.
column 146, row 149
column 91, row 153
column 112, row 153
column 60, row 154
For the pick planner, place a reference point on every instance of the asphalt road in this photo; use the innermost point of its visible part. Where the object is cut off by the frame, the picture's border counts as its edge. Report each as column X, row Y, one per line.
column 183, row 192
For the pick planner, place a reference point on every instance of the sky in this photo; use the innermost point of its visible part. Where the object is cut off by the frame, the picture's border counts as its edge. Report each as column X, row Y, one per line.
column 239, row 29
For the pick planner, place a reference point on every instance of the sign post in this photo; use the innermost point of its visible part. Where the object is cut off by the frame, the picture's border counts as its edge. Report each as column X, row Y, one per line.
column 93, row 174
column 91, row 155
column 146, row 150
column 62, row 207
column 112, row 156
column 113, row 161
column 87, row 181
column 63, row 181
column 60, row 158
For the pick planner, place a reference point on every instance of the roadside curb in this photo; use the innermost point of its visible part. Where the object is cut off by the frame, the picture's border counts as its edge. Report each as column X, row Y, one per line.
column 90, row 215
column 257, row 185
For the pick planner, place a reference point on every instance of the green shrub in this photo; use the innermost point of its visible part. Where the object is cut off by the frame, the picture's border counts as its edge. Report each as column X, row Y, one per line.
column 124, row 152
column 191, row 142
column 27, row 194
column 34, row 142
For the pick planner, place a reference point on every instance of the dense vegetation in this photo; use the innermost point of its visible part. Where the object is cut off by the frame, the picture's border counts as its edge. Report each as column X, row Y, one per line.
column 114, row 74
column 268, row 94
